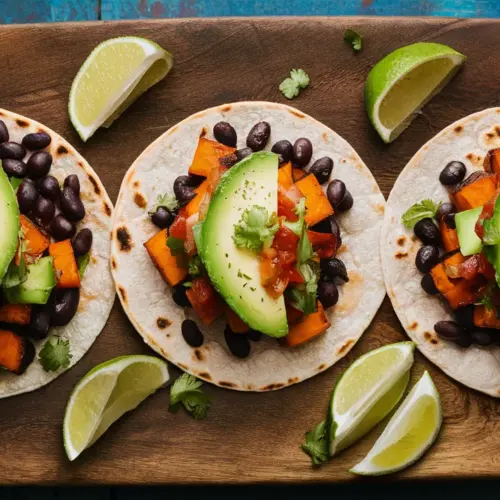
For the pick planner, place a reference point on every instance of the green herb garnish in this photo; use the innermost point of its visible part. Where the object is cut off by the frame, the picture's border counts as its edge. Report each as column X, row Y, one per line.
column 256, row 229
column 83, row 262
column 55, row 354
column 424, row 209
column 316, row 445
column 167, row 200
column 17, row 273
column 187, row 284
column 186, row 391
column 304, row 296
column 354, row 38
column 290, row 87
column 176, row 245
column 195, row 266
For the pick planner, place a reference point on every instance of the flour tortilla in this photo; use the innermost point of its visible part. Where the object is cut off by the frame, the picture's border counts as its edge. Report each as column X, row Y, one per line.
column 97, row 292
column 467, row 140
column 147, row 300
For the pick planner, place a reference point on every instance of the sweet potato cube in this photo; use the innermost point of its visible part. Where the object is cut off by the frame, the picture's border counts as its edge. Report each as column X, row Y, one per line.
column 206, row 156
column 308, row 327
column 65, row 265
column 475, row 194
column 19, row 314
column 317, row 205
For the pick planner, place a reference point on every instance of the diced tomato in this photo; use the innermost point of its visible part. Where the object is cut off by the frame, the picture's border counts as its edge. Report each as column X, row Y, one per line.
column 469, row 269
column 179, row 228
column 278, row 287
column 294, row 276
column 205, row 300
column 487, row 213
column 287, row 201
column 293, row 315
column 189, row 243
column 285, row 239
column 486, row 268
column 323, row 243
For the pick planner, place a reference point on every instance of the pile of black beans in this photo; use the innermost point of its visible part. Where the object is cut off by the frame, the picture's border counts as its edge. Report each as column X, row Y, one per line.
column 56, row 211
column 461, row 331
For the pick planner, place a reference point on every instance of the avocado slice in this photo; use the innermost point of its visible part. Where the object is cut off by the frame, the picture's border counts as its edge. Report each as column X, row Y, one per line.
column 470, row 243
column 233, row 271
column 9, row 223
column 36, row 289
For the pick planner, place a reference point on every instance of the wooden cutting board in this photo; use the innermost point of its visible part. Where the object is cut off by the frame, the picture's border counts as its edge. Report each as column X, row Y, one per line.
column 247, row 437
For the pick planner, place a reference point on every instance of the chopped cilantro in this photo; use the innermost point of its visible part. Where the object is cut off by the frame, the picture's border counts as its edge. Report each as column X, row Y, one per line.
column 55, row 354
column 300, row 77
column 187, row 284
column 176, row 245
column 195, row 266
column 304, row 296
column 316, row 445
column 186, row 391
column 166, row 200
column 256, row 229
column 290, row 87
column 354, row 38
column 83, row 262
column 419, row 211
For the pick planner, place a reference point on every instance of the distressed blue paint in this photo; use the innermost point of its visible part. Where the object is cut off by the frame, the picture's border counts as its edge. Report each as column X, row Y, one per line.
column 26, row 11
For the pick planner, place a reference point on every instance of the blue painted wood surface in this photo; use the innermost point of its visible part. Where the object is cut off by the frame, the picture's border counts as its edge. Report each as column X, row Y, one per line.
column 29, row 11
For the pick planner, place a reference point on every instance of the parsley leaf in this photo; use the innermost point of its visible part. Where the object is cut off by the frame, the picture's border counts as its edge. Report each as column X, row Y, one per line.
column 176, row 245
column 167, row 200
column 256, row 229
column 304, row 296
column 316, row 445
column 419, row 211
column 55, row 354
column 300, row 77
column 186, row 391
column 195, row 266
column 83, row 262
column 354, row 38
column 289, row 88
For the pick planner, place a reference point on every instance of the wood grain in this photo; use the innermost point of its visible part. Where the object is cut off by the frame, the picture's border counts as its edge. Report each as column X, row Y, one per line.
column 247, row 437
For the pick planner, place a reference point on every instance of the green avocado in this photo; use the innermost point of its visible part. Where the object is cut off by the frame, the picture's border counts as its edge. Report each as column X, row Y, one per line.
column 235, row 272
column 36, row 289
column 469, row 241
column 9, row 223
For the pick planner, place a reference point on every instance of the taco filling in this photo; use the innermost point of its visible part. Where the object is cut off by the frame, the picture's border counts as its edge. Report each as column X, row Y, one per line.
column 251, row 236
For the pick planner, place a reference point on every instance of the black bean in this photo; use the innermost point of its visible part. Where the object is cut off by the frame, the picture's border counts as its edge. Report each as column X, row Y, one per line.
column 179, row 296
column 163, row 217
column 243, row 153
column 445, row 209
column 73, row 183
column 449, row 220
column 428, row 284
column 328, row 294
column 14, row 168
column 482, row 337
column 281, row 161
column 334, row 268
column 302, row 151
column 27, row 195
column 39, row 140
column 329, row 225
column 465, row 317
column 237, row 343
column 228, row 161
column 347, row 203
column 44, row 210
column 427, row 258
column 283, row 148
column 465, row 340
column 258, row 136
column 183, row 190
column 322, row 169
column 39, row 322
column 254, row 335
column 49, row 187
column 4, row 132
column 453, row 173
column 39, row 164
column 427, row 232
column 449, row 330
column 64, row 305
column 82, row 242
column 71, row 205
column 335, row 192
column 61, row 228
column 12, row 150
column 191, row 333
column 225, row 134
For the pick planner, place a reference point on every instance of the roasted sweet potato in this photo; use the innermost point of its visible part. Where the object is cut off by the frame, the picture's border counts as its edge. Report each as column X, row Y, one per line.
column 293, row 315
column 486, row 318
column 19, row 314
column 449, row 237
column 65, row 264
column 491, row 161
column 206, row 302
column 308, row 327
column 193, row 206
column 16, row 353
column 35, row 242
column 454, row 260
column 206, row 156
column 317, row 205
column 285, row 178
column 298, row 173
column 441, row 279
column 476, row 193
column 163, row 259
column 234, row 322
column 464, row 292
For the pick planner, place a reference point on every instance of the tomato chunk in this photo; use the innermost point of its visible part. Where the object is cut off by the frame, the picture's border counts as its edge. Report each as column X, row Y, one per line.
column 179, row 228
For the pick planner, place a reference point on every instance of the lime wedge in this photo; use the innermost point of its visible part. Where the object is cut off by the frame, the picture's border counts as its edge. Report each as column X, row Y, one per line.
column 401, row 83
column 114, row 75
column 358, row 401
column 409, row 433
column 107, row 392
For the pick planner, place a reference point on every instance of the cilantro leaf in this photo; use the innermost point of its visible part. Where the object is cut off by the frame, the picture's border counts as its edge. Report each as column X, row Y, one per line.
column 298, row 226
column 55, row 354
column 176, row 245
column 83, row 262
column 186, row 391
column 256, row 229
column 300, row 77
column 195, row 266
column 492, row 226
column 304, row 296
column 167, row 200
column 354, row 38
column 419, row 211
column 289, row 88
column 316, row 445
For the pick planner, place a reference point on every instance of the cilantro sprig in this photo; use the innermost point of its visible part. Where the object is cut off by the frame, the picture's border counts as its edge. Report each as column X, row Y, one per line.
column 83, row 262
column 167, row 200
column 354, row 38
column 290, row 87
column 422, row 210
column 256, row 229
column 316, row 444
column 303, row 296
column 55, row 354
column 186, row 392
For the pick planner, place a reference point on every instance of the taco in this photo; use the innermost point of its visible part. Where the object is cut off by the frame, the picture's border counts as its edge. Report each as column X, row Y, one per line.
column 56, row 290
column 441, row 250
column 233, row 260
